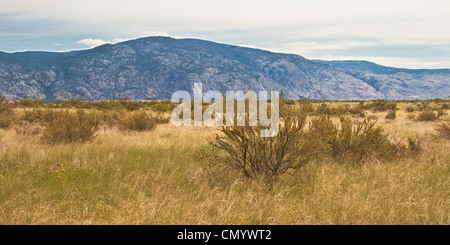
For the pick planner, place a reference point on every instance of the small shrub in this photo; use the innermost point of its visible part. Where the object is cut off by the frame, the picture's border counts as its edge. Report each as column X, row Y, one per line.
column 110, row 117
column 391, row 115
column 444, row 130
column 441, row 113
column 382, row 105
column 356, row 143
column 324, row 109
column 445, row 106
column 357, row 110
column 414, row 145
column 163, row 106
column 137, row 121
column 6, row 113
column 322, row 131
column 161, row 119
column 66, row 127
column 426, row 115
column 28, row 103
column 306, row 106
column 410, row 109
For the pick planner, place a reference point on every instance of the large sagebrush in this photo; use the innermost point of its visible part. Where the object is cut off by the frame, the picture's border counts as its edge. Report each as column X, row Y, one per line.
column 67, row 127
column 426, row 115
column 137, row 121
column 244, row 149
column 354, row 143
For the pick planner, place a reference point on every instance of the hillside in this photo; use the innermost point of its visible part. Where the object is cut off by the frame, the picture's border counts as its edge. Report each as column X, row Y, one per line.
column 155, row 67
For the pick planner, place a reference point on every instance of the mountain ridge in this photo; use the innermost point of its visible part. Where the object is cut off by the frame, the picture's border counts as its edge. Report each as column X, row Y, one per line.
column 155, row 67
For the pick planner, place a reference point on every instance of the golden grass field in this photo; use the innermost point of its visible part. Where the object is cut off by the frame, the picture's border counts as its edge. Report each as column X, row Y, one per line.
column 125, row 177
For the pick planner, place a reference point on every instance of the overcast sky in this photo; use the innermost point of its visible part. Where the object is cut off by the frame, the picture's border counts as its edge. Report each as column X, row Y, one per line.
column 400, row 33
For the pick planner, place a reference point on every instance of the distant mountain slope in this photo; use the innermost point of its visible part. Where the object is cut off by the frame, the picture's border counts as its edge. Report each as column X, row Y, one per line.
column 155, row 67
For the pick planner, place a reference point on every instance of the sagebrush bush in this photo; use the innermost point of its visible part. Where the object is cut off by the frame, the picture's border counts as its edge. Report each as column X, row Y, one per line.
column 28, row 103
column 244, row 149
column 410, row 109
column 382, row 105
column 66, row 127
column 357, row 110
column 161, row 119
column 441, row 112
column 391, row 115
column 6, row 113
column 444, row 130
column 137, row 121
column 163, row 106
column 322, row 130
column 414, row 145
column 355, row 143
column 306, row 106
column 426, row 115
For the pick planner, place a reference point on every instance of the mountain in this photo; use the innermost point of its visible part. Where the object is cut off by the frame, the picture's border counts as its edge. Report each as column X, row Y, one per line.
column 155, row 67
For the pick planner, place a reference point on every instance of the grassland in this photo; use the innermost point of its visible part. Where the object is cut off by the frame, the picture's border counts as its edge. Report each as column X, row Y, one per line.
column 153, row 177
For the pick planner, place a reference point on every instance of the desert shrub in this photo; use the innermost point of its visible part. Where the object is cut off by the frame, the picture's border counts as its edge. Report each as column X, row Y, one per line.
column 391, row 115
column 164, row 106
column 355, row 143
column 306, row 105
column 66, row 127
column 110, row 117
column 426, row 115
column 244, row 149
column 137, row 121
column 357, row 110
column 424, row 105
column 382, row 105
column 444, row 130
column 6, row 113
column 441, row 113
column 132, row 105
column 372, row 117
column 324, row 109
column 28, row 103
column 27, row 128
column 445, row 106
column 289, row 102
column 414, row 145
column 161, row 119
column 322, row 130
column 410, row 109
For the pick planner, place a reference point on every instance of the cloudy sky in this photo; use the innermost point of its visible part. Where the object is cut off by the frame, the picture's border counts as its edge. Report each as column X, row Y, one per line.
column 400, row 33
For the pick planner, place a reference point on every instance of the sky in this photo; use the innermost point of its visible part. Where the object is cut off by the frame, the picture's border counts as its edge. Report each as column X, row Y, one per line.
column 399, row 33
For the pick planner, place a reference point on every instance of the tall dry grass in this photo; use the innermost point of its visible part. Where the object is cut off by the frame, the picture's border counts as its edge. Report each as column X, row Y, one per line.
column 150, row 177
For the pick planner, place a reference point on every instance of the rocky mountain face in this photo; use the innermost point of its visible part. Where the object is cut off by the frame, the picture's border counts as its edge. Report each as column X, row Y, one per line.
column 155, row 67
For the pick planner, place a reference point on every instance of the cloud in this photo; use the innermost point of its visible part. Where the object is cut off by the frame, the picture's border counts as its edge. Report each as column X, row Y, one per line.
column 92, row 42
column 309, row 28
column 119, row 40
column 57, row 44
column 155, row 33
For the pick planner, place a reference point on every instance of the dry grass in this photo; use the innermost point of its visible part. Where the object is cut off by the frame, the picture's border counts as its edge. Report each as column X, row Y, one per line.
column 150, row 177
